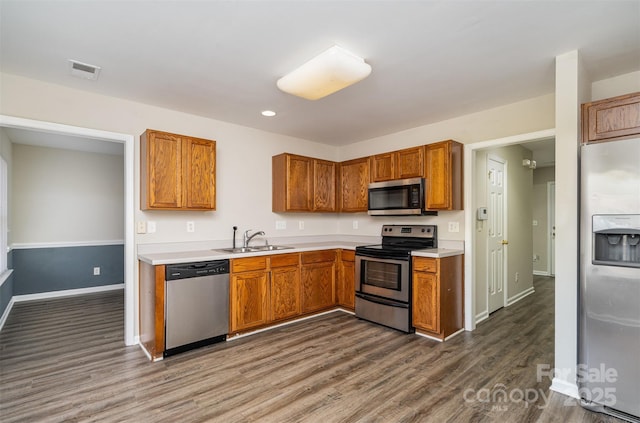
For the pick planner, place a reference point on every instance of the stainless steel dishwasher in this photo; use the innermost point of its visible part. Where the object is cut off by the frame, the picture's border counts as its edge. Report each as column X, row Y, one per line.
column 196, row 305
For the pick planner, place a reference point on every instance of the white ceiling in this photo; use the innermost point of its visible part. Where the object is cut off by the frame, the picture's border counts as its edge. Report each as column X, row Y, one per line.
column 432, row 60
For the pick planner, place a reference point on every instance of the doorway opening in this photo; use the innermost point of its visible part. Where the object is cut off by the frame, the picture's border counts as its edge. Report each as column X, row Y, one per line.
column 476, row 291
column 129, row 250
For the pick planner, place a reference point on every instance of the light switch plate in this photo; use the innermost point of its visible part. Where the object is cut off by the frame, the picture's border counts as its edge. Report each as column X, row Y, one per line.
column 281, row 224
column 301, row 224
column 151, row 227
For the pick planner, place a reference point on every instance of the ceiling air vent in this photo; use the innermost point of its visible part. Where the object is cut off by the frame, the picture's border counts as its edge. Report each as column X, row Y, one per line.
column 84, row 70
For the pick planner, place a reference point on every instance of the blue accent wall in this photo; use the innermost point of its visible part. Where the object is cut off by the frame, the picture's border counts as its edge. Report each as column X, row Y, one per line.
column 38, row 270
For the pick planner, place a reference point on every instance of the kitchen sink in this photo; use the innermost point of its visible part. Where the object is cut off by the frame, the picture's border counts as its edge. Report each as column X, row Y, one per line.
column 254, row 249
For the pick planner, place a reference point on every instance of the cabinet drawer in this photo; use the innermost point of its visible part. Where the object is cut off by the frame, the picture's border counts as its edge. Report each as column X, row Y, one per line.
column 425, row 264
column 284, row 260
column 348, row 255
column 318, row 256
column 249, row 263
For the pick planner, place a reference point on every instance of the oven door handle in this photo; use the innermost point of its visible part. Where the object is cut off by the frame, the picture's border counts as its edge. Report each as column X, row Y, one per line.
column 382, row 301
column 379, row 258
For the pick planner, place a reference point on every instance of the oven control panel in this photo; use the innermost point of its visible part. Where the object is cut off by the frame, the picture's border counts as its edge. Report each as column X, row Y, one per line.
column 411, row 231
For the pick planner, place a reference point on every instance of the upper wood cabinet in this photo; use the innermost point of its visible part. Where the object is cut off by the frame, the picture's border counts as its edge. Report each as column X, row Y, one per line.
column 302, row 184
column 354, row 184
column 323, row 197
column 613, row 118
column 443, row 171
column 383, row 167
column 177, row 172
column 401, row 164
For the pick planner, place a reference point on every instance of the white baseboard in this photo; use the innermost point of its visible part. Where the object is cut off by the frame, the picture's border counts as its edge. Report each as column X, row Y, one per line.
column 5, row 315
column 541, row 273
column 67, row 292
column 482, row 316
column 565, row 388
column 519, row 296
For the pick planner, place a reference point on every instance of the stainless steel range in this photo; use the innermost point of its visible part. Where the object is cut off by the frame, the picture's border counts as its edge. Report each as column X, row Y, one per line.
column 383, row 274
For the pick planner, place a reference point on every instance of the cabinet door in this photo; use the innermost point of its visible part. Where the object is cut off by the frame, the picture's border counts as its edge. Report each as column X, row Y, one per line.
column 444, row 173
column 612, row 118
column 426, row 301
column 324, row 186
column 285, row 292
column 410, row 163
column 299, row 174
column 438, row 176
column 248, row 296
column 162, row 186
column 200, row 171
column 383, row 167
column 345, row 285
column 318, row 284
column 354, row 184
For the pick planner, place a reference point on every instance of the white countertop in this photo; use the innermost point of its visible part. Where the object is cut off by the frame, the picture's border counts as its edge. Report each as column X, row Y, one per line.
column 176, row 257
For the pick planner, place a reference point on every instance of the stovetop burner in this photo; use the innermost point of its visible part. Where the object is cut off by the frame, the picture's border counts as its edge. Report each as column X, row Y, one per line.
column 399, row 240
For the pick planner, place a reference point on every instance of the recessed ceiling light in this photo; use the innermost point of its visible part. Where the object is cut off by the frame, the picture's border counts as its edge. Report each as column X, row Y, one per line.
column 268, row 113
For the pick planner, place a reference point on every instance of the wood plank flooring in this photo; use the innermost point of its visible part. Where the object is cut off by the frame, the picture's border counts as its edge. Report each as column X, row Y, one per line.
column 63, row 360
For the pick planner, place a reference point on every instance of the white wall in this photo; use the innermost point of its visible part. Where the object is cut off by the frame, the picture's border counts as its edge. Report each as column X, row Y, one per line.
column 243, row 158
column 521, row 117
column 63, row 196
column 619, row 85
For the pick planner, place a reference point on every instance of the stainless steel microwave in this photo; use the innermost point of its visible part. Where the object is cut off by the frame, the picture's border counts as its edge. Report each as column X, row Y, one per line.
column 401, row 197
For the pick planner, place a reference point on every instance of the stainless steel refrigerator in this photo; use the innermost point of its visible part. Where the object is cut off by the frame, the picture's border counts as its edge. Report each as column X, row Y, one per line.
column 609, row 322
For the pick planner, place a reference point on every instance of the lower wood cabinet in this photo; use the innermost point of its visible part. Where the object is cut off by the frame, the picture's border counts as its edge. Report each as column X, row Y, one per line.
column 285, row 286
column 438, row 295
column 269, row 289
column 151, row 308
column 248, row 293
column 318, row 276
column 345, row 283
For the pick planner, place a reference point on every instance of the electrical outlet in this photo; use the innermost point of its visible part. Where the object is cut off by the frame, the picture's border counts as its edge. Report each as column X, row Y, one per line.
column 151, row 227
column 96, row 271
column 355, row 224
column 301, row 224
column 191, row 226
column 454, row 227
column 141, row 227
column 281, row 224
column 535, row 222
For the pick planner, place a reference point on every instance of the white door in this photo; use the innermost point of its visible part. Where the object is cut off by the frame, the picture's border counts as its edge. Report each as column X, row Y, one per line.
column 551, row 230
column 496, row 243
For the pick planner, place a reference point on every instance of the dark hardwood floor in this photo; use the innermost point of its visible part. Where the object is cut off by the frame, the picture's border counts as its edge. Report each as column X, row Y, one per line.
column 64, row 360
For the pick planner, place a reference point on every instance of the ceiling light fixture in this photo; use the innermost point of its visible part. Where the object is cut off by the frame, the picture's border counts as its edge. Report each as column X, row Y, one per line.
column 331, row 71
column 268, row 113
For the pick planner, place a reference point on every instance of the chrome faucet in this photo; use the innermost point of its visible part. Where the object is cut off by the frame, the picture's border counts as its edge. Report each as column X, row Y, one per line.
column 246, row 238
